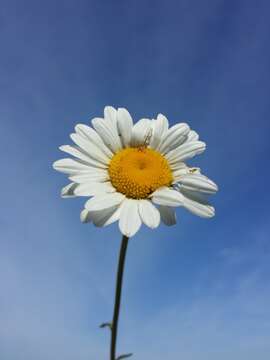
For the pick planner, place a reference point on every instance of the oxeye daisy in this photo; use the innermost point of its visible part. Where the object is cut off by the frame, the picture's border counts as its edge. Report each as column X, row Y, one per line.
column 135, row 173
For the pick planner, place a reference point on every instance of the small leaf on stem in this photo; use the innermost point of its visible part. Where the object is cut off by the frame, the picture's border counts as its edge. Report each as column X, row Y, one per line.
column 107, row 324
column 124, row 356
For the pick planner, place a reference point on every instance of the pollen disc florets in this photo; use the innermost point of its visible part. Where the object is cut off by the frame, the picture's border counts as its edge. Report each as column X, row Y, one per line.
column 137, row 172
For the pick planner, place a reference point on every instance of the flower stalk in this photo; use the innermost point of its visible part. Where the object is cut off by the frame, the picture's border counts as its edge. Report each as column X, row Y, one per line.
column 117, row 303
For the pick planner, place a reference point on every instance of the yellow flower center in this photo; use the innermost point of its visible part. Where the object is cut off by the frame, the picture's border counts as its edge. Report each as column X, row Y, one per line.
column 137, row 172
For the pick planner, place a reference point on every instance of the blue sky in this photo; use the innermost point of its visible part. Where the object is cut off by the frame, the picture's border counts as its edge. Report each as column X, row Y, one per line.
column 199, row 290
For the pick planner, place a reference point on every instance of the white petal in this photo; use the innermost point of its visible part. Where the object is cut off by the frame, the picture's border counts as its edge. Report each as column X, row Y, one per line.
column 108, row 133
column 130, row 220
column 116, row 215
column 199, row 209
column 90, row 134
column 110, row 114
column 98, row 175
column 90, row 148
column 70, row 166
column 168, row 197
column 192, row 136
column 149, row 214
column 104, row 201
column 141, row 132
column 198, row 182
column 168, row 215
column 91, row 189
column 106, row 216
column 125, row 124
column 182, row 169
column 185, row 151
column 68, row 191
column 159, row 129
column 174, row 137
column 76, row 152
column 84, row 216
column 178, row 166
column 195, row 196
column 79, row 154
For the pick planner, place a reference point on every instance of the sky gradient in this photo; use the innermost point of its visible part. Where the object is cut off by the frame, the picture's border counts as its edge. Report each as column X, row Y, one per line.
column 198, row 290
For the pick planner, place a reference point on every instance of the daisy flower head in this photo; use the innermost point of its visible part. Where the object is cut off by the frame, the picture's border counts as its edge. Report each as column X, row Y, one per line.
column 135, row 173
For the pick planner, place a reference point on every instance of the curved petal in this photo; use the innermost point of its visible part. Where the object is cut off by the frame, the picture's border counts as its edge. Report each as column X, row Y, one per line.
column 108, row 133
column 195, row 195
column 168, row 215
column 84, row 216
column 178, row 166
column 149, row 214
column 192, row 136
column 125, row 124
column 182, row 170
column 90, row 148
column 198, row 182
column 77, row 153
column 91, row 189
column 141, row 132
column 68, row 190
column 110, row 114
column 70, row 166
column 199, row 209
column 90, row 134
column 185, row 151
column 174, row 137
column 104, row 201
column 130, row 220
column 105, row 217
column 168, row 197
column 98, row 175
column 159, row 129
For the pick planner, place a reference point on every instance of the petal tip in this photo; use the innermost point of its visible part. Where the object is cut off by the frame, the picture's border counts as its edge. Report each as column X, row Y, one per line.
column 84, row 216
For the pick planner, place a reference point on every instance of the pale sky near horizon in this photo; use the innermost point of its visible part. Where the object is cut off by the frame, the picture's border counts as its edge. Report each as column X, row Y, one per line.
column 196, row 291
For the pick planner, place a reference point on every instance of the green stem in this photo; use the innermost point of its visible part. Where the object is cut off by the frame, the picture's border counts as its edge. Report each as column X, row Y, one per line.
column 118, row 292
